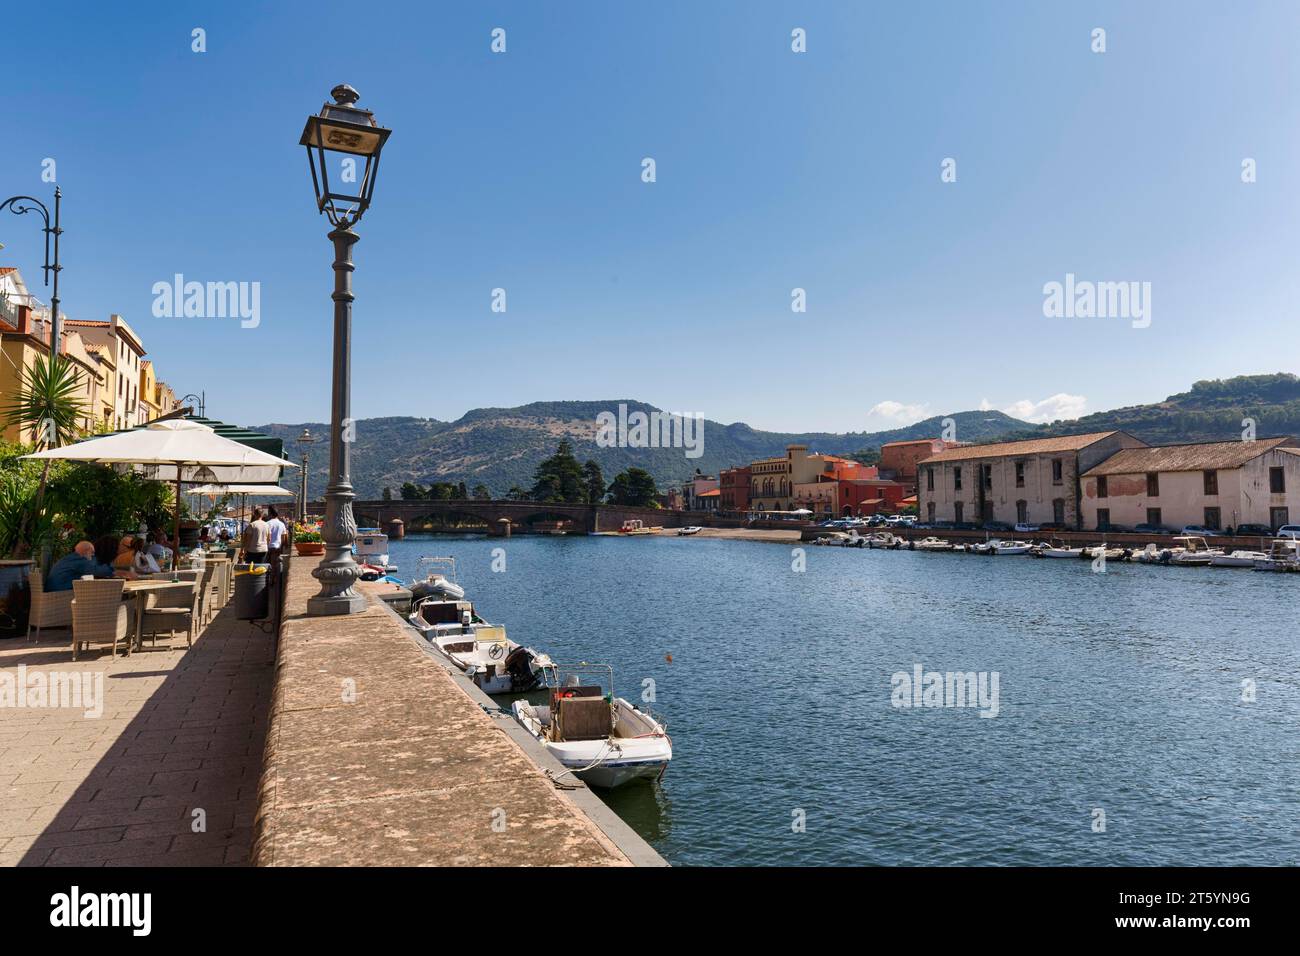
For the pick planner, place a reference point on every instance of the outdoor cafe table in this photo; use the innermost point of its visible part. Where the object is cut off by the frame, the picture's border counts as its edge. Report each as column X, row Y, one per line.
column 140, row 590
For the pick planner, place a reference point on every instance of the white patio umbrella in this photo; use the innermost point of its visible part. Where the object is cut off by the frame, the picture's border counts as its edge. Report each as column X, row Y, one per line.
column 173, row 450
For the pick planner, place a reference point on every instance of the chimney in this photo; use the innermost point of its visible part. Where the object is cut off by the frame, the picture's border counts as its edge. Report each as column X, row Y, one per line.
column 24, row 319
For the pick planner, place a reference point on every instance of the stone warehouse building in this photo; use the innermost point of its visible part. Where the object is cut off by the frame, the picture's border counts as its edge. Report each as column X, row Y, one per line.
column 1217, row 485
column 1035, row 481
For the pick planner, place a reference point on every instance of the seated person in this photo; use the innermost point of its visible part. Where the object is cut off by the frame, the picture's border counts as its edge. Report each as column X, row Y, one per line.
column 125, row 553
column 78, row 564
column 142, row 562
column 160, row 548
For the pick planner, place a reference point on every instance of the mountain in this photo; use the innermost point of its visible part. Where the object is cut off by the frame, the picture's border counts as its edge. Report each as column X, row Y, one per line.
column 1211, row 410
column 501, row 447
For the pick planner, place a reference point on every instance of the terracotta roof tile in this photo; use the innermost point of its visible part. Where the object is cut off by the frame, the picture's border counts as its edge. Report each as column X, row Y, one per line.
column 1034, row 446
column 1202, row 456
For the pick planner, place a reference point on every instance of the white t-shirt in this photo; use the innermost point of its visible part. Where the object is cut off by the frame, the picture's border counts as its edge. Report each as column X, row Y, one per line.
column 276, row 529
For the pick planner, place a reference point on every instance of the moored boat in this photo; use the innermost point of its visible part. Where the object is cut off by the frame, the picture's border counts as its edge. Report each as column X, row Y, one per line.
column 602, row 739
column 481, row 650
column 934, row 544
column 1238, row 559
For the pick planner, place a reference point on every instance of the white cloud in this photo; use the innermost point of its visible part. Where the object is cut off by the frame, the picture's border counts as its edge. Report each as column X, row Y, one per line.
column 1050, row 409
column 891, row 414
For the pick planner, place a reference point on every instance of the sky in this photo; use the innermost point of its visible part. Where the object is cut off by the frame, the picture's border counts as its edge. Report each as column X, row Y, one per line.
column 774, row 171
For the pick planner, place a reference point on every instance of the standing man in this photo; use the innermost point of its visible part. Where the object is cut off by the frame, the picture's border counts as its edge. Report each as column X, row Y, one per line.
column 257, row 538
column 276, row 531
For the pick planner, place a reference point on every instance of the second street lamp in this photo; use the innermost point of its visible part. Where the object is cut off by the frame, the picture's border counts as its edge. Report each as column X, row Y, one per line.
column 305, row 441
column 342, row 128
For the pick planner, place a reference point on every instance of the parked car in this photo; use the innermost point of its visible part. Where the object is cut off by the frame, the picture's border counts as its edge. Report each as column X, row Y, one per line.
column 1151, row 529
column 963, row 526
column 1251, row 530
column 1289, row 531
column 1025, row 527
column 1201, row 530
column 1103, row 528
column 995, row 526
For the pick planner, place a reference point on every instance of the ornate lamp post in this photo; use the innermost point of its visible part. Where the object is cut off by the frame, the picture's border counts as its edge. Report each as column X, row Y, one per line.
column 341, row 128
column 18, row 205
column 305, row 440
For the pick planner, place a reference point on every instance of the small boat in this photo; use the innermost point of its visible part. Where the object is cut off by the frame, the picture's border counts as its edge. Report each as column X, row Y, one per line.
column 371, row 549
column 1194, row 552
column 999, row 547
column 689, row 529
column 1056, row 550
column 1110, row 554
column 838, row 539
column 1283, row 555
column 439, row 580
column 1238, row 559
column 884, row 539
column 602, row 739
column 934, row 544
column 495, row 663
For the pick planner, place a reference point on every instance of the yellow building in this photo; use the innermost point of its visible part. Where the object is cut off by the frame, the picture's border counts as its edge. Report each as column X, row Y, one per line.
column 25, row 335
column 773, row 481
column 117, row 345
column 149, row 391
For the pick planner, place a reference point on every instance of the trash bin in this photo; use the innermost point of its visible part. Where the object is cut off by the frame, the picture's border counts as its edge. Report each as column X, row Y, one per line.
column 251, row 593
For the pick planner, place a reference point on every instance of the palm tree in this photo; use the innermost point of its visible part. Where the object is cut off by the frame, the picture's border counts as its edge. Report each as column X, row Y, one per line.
column 47, row 407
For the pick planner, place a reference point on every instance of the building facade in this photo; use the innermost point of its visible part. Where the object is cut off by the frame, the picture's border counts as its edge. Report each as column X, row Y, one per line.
column 899, row 459
column 119, row 347
column 1216, row 485
column 733, row 487
column 1035, row 482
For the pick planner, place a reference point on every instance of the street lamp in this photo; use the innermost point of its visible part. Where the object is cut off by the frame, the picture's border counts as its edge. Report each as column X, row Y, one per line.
column 304, row 440
column 341, row 128
column 19, row 205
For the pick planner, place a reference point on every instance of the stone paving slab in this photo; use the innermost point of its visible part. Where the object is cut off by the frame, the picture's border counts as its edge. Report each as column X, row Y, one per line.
column 181, row 730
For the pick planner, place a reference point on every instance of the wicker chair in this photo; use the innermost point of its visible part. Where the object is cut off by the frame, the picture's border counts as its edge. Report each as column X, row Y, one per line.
column 168, row 609
column 49, row 608
column 98, row 614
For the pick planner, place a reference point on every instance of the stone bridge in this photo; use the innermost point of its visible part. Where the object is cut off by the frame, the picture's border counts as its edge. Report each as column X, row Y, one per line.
column 522, row 516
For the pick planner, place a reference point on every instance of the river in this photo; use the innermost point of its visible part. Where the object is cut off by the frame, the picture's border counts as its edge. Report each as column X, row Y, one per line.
column 1125, row 732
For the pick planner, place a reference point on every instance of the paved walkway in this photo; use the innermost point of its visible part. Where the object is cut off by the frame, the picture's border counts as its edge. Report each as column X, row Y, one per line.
column 181, row 731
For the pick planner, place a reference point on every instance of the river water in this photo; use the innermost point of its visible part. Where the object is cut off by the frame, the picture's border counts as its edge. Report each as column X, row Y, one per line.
column 1124, row 733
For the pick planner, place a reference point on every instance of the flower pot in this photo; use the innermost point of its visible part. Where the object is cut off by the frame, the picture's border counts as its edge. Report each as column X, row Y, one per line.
column 309, row 547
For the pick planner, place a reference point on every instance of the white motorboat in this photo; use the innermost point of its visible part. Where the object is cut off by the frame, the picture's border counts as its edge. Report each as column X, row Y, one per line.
column 1193, row 552
column 1238, row 559
column 934, row 544
column 1056, row 550
column 999, row 547
column 495, row 663
column 439, row 580
column 838, row 539
column 1111, row 554
column 371, row 549
column 1283, row 555
column 884, row 539
column 689, row 529
column 604, row 740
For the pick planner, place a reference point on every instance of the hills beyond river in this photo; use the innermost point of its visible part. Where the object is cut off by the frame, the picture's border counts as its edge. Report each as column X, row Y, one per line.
column 502, row 447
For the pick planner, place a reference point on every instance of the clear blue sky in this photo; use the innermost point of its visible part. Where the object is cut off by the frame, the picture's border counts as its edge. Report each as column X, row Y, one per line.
column 775, row 170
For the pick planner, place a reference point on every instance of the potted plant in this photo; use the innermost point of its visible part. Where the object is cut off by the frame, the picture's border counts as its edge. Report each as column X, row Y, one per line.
column 306, row 541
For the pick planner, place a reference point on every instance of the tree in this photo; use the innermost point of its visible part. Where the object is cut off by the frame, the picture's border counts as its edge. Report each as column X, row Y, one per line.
column 461, row 492
column 48, row 407
column 560, row 477
column 388, row 493
column 634, row 487
column 516, row 494
column 412, row 491
column 594, row 479
column 481, row 493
